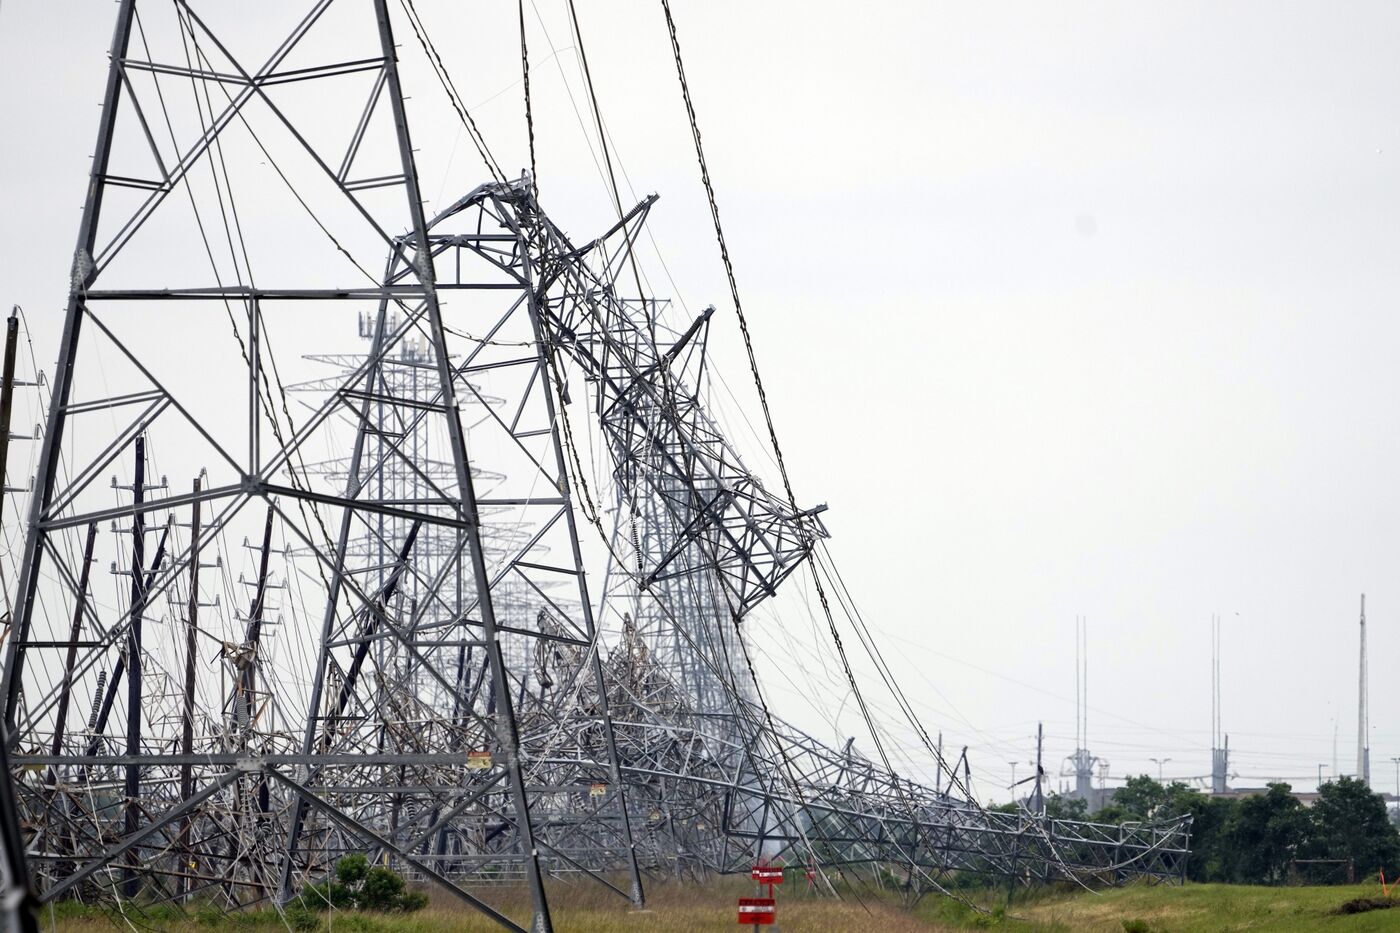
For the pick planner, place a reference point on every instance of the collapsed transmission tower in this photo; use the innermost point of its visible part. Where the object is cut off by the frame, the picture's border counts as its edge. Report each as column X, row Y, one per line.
column 407, row 716
column 410, row 662
column 702, row 544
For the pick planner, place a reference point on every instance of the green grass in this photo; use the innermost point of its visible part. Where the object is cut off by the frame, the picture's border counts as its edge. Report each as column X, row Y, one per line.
column 690, row 909
column 1208, row 907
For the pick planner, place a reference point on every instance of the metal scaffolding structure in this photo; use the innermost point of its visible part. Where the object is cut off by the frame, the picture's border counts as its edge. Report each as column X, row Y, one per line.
column 411, row 661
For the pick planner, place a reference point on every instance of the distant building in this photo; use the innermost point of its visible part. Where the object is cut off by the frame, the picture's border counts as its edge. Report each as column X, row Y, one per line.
column 1099, row 797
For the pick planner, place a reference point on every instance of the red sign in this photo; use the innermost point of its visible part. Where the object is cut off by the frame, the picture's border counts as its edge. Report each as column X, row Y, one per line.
column 758, row 911
column 767, row 874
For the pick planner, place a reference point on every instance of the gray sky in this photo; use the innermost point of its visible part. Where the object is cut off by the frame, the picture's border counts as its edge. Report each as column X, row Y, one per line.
column 1063, row 308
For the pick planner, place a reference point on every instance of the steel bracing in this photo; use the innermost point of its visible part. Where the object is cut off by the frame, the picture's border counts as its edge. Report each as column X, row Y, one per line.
column 365, row 620
column 713, row 776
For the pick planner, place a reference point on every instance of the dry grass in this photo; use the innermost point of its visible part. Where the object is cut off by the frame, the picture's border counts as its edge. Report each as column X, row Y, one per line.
column 585, row 909
column 709, row 909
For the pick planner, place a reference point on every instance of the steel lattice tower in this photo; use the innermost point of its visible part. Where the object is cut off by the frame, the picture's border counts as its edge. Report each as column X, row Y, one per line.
column 432, row 687
column 380, row 760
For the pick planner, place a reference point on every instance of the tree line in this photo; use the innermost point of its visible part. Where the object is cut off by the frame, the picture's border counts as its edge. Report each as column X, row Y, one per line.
column 1252, row 840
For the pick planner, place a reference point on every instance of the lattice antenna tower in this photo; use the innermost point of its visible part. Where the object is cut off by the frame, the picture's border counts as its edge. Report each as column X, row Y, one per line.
column 1363, row 722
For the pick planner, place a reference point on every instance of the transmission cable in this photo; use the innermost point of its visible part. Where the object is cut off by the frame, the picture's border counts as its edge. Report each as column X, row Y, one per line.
column 529, row 108
column 265, row 390
column 748, row 343
column 758, row 381
column 449, row 88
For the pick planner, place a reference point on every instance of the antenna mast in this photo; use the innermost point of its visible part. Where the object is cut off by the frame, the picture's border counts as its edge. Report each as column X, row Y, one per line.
column 1363, row 750
column 1081, row 763
column 1219, row 742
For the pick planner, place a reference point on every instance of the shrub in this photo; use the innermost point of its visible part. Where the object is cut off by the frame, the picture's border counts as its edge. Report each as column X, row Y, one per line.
column 382, row 890
column 351, row 870
column 1362, row 905
column 302, row 918
column 358, row 884
column 325, row 895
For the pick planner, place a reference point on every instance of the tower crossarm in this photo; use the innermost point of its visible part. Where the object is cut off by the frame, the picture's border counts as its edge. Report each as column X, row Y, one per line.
column 646, row 383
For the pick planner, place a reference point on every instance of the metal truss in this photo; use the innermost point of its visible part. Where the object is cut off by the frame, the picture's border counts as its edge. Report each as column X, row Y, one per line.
column 714, row 777
column 412, row 725
column 664, row 445
column 409, row 662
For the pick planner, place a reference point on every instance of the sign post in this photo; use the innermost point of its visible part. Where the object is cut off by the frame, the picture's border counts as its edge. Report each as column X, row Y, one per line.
column 759, row 911
column 767, row 874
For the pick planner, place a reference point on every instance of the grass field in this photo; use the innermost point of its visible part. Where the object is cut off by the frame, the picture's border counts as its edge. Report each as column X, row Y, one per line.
column 1198, row 908
column 676, row 909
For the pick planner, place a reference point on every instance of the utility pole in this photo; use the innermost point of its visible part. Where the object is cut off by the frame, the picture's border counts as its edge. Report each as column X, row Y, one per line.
column 17, row 903
column 1397, row 785
column 938, row 775
column 132, row 885
column 1038, row 800
column 187, row 710
column 7, row 397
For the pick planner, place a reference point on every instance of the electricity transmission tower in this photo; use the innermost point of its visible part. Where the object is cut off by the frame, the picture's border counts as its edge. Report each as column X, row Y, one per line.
column 409, row 661
column 703, row 544
column 412, row 694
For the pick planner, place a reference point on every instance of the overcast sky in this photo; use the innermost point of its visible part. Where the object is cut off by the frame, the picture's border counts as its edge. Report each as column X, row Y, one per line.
column 1063, row 308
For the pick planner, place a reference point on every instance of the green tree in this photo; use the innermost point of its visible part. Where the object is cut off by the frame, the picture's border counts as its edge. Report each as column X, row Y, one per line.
column 1264, row 832
column 1349, row 820
column 1136, row 800
column 1212, row 846
column 1061, row 807
column 1178, row 800
column 1142, row 798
